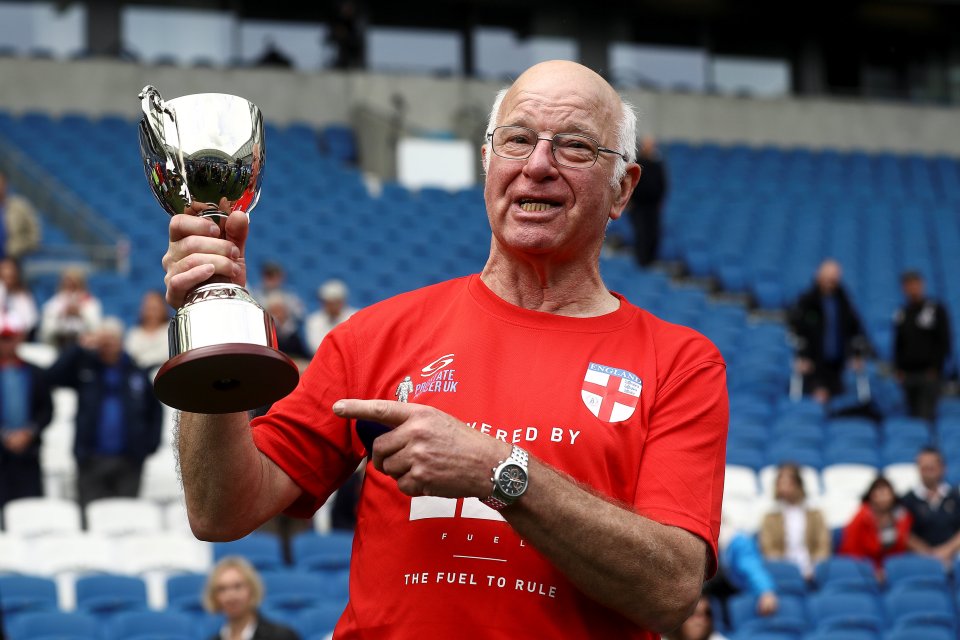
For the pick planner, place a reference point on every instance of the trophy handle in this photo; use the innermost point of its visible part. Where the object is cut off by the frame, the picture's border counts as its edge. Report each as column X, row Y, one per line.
column 154, row 108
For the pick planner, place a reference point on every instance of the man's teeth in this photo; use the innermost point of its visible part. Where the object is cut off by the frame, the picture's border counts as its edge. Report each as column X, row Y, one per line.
column 535, row 206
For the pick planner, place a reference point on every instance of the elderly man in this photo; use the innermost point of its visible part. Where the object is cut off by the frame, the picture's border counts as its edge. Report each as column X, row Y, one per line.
column 558, row 469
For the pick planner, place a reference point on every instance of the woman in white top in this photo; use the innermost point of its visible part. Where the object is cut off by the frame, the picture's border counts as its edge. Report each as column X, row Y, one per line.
column 15, row 298
column 71, row 312
column 793, row 531
column 146, row 342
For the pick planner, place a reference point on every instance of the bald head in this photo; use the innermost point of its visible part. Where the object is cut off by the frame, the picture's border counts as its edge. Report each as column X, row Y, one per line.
column 828, row 276
column 555, row 81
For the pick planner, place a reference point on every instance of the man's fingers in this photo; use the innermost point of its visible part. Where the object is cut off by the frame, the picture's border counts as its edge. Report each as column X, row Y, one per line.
column 388, row 412
column 185, row 225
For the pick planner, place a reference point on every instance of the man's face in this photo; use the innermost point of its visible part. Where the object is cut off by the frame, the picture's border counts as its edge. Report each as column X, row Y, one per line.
column 913, row 289
column 930, row 467
column 536, row 206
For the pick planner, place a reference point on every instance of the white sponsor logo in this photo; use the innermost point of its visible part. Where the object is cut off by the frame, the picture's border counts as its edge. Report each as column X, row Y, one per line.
column 436, row 365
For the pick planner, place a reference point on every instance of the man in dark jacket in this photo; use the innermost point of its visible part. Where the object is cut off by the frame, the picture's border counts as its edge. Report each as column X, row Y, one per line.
column 921, row 346
column 646, row 203
column 828, row 333
column 118, row 418
column 26, row 408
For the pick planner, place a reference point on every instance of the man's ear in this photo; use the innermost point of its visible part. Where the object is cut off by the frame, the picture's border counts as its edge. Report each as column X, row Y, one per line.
column 627, row 184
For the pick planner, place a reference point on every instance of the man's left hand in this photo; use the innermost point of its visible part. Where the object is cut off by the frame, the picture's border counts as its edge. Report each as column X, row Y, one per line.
column 428, row 452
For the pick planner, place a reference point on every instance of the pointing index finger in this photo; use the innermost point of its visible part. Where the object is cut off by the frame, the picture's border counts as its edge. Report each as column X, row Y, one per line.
column 387, row 412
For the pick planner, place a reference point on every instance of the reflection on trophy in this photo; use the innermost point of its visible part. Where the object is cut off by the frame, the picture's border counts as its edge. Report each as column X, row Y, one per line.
column 203, row 155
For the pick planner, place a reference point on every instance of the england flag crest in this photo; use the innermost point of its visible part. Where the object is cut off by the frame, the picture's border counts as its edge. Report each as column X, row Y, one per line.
column 609, row 393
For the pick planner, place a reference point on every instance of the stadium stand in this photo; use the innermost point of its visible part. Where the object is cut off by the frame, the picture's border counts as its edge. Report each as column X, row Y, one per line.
column 753, row 222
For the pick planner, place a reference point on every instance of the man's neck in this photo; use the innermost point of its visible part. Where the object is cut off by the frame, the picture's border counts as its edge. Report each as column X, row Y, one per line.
column 568, row 289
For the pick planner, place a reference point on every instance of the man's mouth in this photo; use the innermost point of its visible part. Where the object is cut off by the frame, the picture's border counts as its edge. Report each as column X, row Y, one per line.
column 536, row 205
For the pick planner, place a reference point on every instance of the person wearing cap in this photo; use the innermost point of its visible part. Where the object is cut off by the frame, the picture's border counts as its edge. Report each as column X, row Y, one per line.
column 333, row 296
column 118, row 420
column 26, row 408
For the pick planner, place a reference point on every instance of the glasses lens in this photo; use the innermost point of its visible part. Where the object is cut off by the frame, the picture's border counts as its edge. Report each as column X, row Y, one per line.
column 575, row 150
column 513, row 142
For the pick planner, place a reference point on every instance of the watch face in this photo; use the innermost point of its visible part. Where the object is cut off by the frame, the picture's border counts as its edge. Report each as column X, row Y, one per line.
column 512, row 480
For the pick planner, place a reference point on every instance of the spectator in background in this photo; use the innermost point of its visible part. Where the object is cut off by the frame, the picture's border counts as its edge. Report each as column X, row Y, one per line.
column 646, row 204
column 147, row 342
column 879, row 529
column 288, row 334
column 346, row 36
column 921, row 346
column 20, row 231
column 793, row 531
column 334, row 310
column 273, row 56
column 272, row 280
column 699, row 626
column 935, row 508
column 16, row 298
column 828, row 332
column 71, row 312
column 744, row 570
column 26, row 408
column 235, row 590
column 118, row 420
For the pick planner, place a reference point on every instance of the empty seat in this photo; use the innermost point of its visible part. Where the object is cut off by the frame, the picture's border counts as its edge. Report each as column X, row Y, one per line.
column 185, row 592
column 845, row 572
column 292, row 591
column 915, row 570
column 262, row 550
column 54, row 624
column 21, row 594
column 329, row 551
column 168, row 625
column 122, row 516
column 105, row 595
column 847, row 479
column 13, row 554
column 907, row 604
column 845, row 611
column 318, row 621
column 41, row 516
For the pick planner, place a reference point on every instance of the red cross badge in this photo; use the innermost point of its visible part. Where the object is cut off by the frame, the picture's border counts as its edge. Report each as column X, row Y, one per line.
column 611, row 394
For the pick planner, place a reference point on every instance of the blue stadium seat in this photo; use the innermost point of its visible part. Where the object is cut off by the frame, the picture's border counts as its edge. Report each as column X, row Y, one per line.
column 262, row 550
column 913, row 632
column 908, row 605
column 786, row 575
column 152, row 625
column 330, row 551
column 185, row 592
column 317, row 622
column 21, row 594
column 742, row 609
column 291, row 590
column 54, row 624
column 845, row 611
column 106, row 595
column 914, row 570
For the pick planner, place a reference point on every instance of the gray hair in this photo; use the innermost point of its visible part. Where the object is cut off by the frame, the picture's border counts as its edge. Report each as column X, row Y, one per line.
column 626, row 135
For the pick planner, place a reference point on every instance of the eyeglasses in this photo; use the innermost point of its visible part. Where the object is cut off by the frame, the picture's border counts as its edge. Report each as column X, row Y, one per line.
column 569, row 149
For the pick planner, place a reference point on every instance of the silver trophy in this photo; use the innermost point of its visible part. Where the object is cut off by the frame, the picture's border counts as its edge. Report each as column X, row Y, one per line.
column 203, row 155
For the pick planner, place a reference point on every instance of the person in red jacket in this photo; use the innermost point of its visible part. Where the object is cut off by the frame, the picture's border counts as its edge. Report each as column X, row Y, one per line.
column 880, row 528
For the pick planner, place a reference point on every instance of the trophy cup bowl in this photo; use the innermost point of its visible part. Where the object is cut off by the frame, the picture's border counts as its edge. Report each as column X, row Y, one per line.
column 203, row 154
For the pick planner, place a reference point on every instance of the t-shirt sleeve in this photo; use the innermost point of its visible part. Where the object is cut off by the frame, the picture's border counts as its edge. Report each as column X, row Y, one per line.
column 682, row 469
column 301, row 434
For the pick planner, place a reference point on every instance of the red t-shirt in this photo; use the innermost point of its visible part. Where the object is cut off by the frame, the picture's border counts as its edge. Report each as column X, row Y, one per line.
column 629, row 404
column 861, row 537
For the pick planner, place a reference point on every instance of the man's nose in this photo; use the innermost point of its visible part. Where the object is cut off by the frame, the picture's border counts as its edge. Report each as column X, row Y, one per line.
column 541, row 161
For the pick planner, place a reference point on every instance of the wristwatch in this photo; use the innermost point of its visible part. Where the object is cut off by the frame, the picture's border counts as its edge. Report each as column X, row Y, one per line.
column 509, row 479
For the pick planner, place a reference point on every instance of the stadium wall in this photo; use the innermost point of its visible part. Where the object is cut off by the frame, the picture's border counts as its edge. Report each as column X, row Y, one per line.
column 99, row 87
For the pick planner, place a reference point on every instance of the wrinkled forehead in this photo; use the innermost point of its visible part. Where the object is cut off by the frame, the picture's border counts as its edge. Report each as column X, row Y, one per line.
column 568, row 102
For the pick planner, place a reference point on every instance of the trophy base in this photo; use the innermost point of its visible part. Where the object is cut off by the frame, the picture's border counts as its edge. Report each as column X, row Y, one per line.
column 194, row 380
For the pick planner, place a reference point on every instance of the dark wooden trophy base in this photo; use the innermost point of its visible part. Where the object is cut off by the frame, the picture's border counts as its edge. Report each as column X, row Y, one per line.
column 195, row 380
